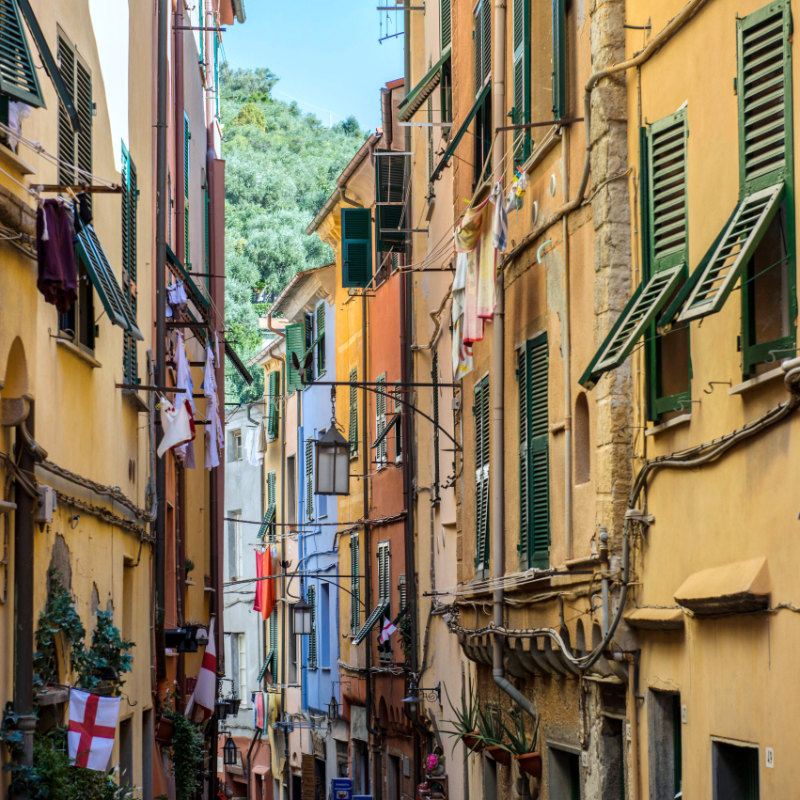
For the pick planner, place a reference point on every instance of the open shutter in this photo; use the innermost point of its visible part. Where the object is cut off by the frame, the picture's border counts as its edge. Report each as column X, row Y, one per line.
column 390, row 197
column 445, row 24
column 66, row 135
column 273, row 644
column 559, row 59
column 312, row 639
column 309, row 478
column 271, row 505
column 295, row 343
column 486, row 38
column 764, row 95
column 477, row 50
column 380, row 419
column 94, row 260
column 481, row 411
column 538, row 459
column 718, row 275
column 523, row 379
column 522, row 78
column 273, row 392
column 320, row 338
column 17, row 74
column 355, row 584
column 356, row 247
column 353, row 433
column 83, row 95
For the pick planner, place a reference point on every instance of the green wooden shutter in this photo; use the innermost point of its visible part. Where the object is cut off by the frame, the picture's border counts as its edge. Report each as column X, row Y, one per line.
column 320, row 338
column 309, row 478
column 355, row 584
column 486, row 39
column 274, row 644
column 477, row 50
column 271, row 505
column 273, row 392
column 129, row 205
column 538, row 458
column 186, row 136
column 83, row 96
column 764, row 90
column 384, row 573
column 481, row 412
column 66, row 136
column 356, row 247
column 295, row 343
column 17, row 74
column 521, row 113
column 380, row 418
column 445, row 24
column 353, row 433
column 523, row 380
column 559, row 59
column 312, row 639
column 430, row 134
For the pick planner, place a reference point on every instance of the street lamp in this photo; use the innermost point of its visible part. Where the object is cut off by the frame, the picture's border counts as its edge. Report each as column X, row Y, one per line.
column 333, row 709
column 230, row 752
column 333, row 463
column 302, row 617
column 416, row 694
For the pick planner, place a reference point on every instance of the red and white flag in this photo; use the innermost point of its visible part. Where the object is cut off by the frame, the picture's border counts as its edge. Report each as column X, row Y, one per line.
column 205, row 690
column 92, row 724
column 387, row 630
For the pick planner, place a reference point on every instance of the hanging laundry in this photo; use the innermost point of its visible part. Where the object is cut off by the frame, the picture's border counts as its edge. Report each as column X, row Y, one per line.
column 17, row 113
column 184, row 382
column 268, row 595
column 177, row 300
column 473, row 324
column 487, row 270
column 499, row 219
column 255, row 454
column 58, row 276
column 461, row 354
column 177, row 422
column 214, row 436
column 469, row 231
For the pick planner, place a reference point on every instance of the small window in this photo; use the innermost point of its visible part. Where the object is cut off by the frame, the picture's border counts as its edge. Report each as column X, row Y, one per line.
column 77, row 324
column 235, row 446
column 735, row 771
column 664, row 733
column 565, row 775
column 583, row 460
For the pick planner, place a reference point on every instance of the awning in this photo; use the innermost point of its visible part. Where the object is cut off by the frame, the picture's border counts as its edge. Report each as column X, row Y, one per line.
column 740, row 587
column 95, row 262
column 422, row 91
column 451, row 148
column 371, row 620
column 260, row 769
column 238, row 365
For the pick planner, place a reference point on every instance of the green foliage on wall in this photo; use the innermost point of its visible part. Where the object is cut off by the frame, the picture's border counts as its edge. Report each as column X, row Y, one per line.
column 281, row 166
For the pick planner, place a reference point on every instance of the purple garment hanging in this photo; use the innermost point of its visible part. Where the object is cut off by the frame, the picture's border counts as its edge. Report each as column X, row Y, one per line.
column 58, row 277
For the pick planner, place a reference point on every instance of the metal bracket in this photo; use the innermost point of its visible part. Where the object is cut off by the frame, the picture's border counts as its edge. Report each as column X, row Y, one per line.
column 639, row 516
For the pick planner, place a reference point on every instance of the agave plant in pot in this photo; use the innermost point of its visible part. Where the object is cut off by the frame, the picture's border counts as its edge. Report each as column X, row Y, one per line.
column 523, row 745
column 492, row 733
column 465, row 725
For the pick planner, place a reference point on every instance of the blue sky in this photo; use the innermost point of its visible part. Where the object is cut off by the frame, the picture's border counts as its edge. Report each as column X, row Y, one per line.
column 325, row 53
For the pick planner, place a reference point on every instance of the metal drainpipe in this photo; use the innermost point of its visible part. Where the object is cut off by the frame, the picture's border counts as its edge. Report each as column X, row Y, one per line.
column 498, row 380
column 161, row 328
column 180, row 166
column 567, row 338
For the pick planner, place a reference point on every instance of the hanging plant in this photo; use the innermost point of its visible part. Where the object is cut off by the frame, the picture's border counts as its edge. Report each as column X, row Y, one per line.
column 186, row 755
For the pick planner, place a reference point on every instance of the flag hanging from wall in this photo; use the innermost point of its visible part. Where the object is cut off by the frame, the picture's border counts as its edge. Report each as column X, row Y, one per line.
column 387, row 630
column 205, row 690
column 92, row 725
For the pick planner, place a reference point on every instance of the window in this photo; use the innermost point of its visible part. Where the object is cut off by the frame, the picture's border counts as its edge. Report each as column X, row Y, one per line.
column 309, row 472
column 312, row 639
column 582, row 439
column 74, row 149
column 534, row 478
column 481, row 414
column 665, row 253
column 234, row 545
column 384, row 574
column 291, row 489
column 77, row 324
column 380, row 421
column 482, row 52
column 126, row 752
column 130, row 200
column 356, row 247
column 664, row 732
column 273, row 399
column 353, row 433
column 734, row 771
column 521, row 110
column 398, row 422
column 235, row 446
column 319, row 356
column 234, row 671
column 391, row 225
column 355, row 584
column 565, row 775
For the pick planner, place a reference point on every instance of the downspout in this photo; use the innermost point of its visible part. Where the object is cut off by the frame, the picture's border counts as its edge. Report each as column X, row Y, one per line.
column 566, row 357
column 159, row 349
column 498, row 443
column 180, row 165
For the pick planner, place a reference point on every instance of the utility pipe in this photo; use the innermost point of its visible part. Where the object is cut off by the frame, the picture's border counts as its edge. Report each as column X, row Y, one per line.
column 498, row 382
column 633, row 721
column 566, row 355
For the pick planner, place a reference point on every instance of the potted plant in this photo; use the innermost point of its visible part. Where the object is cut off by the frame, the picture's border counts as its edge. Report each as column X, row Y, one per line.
column 523, row 746
column 492, row 731
column 465, row 724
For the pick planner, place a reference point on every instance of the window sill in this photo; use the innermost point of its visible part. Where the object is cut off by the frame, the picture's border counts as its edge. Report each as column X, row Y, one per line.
column 683, row 419
column 78, row 350
column 551, row 138
column 11, row 159
column 759, row 380
column 133, row 397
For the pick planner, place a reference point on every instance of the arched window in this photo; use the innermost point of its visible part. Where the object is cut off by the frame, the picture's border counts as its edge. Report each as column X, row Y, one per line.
column 582, row 450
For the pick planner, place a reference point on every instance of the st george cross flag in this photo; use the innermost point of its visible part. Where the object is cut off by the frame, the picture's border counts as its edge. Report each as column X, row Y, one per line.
column 205, row 690
column 387, row 630
column 92, row 723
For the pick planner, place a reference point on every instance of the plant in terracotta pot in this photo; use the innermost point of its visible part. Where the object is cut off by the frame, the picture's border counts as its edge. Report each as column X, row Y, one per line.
column 523, row 745
column 492, row 731
column 465, row 725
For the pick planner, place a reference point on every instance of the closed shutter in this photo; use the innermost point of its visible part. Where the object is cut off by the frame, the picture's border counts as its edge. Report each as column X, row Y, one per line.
column 522, row 78
column 130, row 194
column 445, row 24
column 486, row 38
column 402, row 592
column 384, row 574
column 559, row 59
column 356, row 247
column 481, row 412
column 353, row 433
column 83, row 97
column 524, row 470
column 273, row 394
column 271, row 505
column 380, row 419
column 17, row 74
column 539, row 461
column 273, row 643
column 477, row 50
column 66, row 136
column 320, row 338
column 764, row 95
column 309, row 479
column 186, row 244
column 355, row 584
column 312, row 639
column 295, row 343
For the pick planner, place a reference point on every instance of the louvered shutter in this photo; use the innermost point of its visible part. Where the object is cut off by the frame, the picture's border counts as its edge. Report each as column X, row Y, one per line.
column 380, row 418
column 295, row 343
column 430, row 134
column 320, row 338
column 66, row 136
column 186, row 136
column 273, row 392
column 522, row 78
column 538, row 459
column 523, row 380
column 764, row 95
column 390, row 197
column 384, row 575
column 481, row 411
column 83, row 96
column 312, row 639
column 559, row 59
column 271, row 506
column 274, row 646
column 356, row 247
column 355, row 584
column 309, row 479
column 402, row 591
column 435, row 415
column 445, row 24
column 477, row 49
column 486, row 39
column 130, row 194
column 353, row 433
column 17, row 74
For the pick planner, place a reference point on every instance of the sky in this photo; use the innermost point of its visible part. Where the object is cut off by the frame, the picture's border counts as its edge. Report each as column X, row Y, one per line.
column 325, row 53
